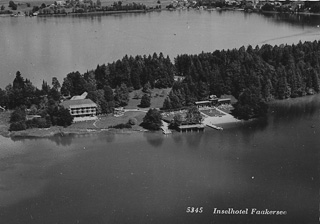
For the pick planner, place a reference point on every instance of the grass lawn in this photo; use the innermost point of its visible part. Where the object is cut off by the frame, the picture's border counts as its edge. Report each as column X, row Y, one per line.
column 157, row 98
column 212, row 112
column 105, row 121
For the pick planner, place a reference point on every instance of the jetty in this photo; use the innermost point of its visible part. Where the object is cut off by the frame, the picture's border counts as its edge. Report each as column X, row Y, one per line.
column 165, row 129
column 214, row 126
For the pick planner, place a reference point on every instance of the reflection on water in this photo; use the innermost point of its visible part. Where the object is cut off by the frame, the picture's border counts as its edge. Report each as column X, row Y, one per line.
column 271, row 163
column 155, row 139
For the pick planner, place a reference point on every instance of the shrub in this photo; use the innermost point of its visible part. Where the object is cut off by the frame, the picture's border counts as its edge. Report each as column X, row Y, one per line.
column 121, row 126
column 18, row 115
column 132, row 121
column 18, row 126
column 38, row 123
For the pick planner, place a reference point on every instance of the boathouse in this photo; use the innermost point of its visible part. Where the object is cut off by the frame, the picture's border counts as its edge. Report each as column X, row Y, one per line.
column 191, row 127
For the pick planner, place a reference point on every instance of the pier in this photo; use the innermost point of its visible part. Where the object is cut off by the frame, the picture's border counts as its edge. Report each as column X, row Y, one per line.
column 214, row 126
column 165, row 129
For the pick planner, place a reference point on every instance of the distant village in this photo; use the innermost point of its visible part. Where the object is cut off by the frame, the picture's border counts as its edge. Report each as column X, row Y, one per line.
column 96, row 6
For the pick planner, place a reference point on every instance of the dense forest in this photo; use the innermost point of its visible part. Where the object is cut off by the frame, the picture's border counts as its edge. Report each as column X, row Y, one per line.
column 253, row 76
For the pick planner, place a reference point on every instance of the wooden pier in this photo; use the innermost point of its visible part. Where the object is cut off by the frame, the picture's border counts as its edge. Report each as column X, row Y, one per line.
column 214, row 127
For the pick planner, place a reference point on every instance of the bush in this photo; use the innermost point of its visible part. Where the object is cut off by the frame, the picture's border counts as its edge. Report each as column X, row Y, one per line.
column 38, row 123
column 132, row 121
column 121, row 126
column 18, row 126
column 12, row 5
column 18, row 115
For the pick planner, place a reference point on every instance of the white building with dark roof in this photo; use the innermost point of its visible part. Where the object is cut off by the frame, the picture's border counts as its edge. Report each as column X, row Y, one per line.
column 81, row 109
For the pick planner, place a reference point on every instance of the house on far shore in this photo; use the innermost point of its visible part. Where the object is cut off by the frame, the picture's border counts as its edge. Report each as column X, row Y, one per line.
column 80, row 108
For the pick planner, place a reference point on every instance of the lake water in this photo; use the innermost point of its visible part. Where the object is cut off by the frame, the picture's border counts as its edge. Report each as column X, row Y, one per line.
column 41, row 48
column 103, row 178
column 140, row 177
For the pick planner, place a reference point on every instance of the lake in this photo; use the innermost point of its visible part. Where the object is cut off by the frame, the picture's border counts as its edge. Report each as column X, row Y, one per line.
column 271, row 163
column 141, row 177
column 45, row 47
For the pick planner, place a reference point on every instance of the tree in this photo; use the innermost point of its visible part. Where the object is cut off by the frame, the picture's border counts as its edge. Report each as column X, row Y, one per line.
column 167, row 103
column 18, row 82
column 152, row 120
column 147, row 88
column 12, row 5
column 64, row 117
column 193, row 116
column 55, row 83
column 45, row 87
column 177, row 120
column 121, row 96
column 145, row 101
column 2, row 7
column 3, row 98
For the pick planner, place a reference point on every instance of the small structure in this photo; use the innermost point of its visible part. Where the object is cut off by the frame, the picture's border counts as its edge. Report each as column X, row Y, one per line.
column 224, row 101
column 118, row 112
column 191, row 127
column 2, row 109
column 30, row 117
column 80, row 108
column 205, row 103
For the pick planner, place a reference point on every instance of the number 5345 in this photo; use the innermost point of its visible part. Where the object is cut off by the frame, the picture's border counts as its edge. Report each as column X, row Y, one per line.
column 194, row 210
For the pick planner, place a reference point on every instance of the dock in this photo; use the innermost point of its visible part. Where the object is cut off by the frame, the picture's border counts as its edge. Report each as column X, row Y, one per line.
column 165, row 129
column 214, row 126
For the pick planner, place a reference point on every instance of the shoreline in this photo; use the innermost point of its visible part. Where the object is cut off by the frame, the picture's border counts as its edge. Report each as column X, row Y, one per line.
column 96, row 13
column 53, row 131
column 56, row 130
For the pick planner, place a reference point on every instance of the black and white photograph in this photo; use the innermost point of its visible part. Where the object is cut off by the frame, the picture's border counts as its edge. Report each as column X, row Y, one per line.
column 159, row 112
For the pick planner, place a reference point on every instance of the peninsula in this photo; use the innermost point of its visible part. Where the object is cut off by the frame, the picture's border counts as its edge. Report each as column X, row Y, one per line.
column 252, row 76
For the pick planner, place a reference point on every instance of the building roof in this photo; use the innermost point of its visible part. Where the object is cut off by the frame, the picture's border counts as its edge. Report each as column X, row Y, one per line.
column 187, row 126
column 78, row 103
column 202, row 102
column 226, row 99
column 81, row 97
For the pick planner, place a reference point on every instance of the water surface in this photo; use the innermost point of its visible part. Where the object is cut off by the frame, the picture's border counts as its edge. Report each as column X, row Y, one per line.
column 44, row 47
column 271, row 163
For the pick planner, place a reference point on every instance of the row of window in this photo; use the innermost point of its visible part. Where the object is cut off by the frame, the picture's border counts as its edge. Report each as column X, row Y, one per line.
column 82, row 110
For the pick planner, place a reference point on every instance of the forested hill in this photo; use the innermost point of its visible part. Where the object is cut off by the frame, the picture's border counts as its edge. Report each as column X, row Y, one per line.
column 253, row 75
